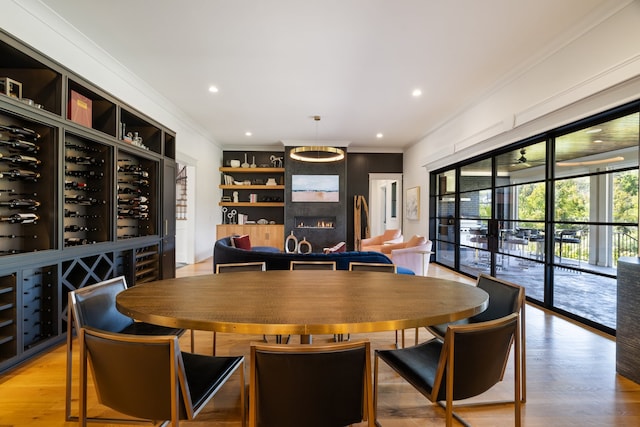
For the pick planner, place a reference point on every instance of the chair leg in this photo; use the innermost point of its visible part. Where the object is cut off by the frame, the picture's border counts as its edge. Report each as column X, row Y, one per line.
column 69, row 379
column 375, row 389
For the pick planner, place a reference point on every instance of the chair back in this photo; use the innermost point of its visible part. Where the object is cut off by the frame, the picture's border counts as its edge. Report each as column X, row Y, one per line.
column 312, row 265
column 140, row 376
column 504, row 298
column 310, row 385
column 95, row 306
column 373, row 266
column 241, row 266
column 476, row 356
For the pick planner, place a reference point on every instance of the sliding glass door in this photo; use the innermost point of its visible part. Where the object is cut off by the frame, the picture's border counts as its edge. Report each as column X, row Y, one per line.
column 553, row 213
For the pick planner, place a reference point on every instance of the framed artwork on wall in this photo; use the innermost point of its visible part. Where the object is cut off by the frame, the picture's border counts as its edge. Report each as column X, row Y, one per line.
column 412, row 204
column 315, row 188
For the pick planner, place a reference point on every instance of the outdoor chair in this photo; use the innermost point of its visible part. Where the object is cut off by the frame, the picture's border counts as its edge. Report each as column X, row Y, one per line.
column 470, row 361
column 149, row 378
column 326, row 385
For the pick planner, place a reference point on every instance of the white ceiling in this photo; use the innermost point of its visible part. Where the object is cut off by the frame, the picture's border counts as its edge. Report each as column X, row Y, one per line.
column 353, row 62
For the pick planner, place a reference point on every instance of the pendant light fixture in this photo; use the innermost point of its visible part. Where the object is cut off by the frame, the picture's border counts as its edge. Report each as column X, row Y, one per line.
column 317, row 153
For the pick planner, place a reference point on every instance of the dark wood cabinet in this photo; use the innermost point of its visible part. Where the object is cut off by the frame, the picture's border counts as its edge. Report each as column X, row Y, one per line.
column 87, row 193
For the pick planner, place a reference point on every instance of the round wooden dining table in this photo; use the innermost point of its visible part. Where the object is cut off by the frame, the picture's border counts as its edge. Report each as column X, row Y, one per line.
column 301, row 302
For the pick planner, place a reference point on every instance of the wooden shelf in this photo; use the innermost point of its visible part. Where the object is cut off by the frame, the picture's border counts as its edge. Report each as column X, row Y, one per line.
column 251, row 187
column 253, row 205
column 252, row 170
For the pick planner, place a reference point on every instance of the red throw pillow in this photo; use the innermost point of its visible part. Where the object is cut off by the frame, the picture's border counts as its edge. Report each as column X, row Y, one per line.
column 340, row 247
column 241, row 242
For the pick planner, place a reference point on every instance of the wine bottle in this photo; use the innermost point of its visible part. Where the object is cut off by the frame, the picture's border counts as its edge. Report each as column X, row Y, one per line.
column 19, row 144
column 21, row 203
column 129, row 190
column 21, row 218
column 84, row 160
column 75, row 184
column 82, row 200
column 75, row 228
column 134, row 200
column 22, row 159
column 21, row 174
column 21, row 131
column 81, row 148
column 86, row 174
column 75, row 241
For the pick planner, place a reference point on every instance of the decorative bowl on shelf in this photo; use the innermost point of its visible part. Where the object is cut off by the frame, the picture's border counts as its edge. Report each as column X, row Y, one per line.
column 234, row 163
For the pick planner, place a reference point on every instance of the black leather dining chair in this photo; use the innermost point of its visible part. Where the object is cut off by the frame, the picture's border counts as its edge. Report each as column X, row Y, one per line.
column 326, row 385
column 149, row 378
column 95, row 306
column 235, row 267
column 371, row 266
column 312, row 265
column 504, row 298
column 470, row 361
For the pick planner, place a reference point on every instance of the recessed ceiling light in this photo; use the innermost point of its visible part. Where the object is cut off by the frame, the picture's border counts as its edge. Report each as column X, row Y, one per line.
column 248, row 133
column 416, row 93
column 597, row 141
column 596, row 130
column 213, row 89
column 379, row 135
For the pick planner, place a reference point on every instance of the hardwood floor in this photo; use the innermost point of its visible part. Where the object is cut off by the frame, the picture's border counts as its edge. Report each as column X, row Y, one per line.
column 571, row 381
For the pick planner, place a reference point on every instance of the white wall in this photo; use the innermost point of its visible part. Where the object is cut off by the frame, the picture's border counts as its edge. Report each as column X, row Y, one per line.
column 34, row 24
column 596, row 71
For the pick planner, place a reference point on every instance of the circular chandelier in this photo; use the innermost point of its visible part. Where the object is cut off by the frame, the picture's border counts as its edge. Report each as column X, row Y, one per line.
column 317, row 154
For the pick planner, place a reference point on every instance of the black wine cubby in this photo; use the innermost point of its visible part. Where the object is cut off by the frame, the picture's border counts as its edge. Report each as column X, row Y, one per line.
column 137, row 199
column 39, row 305
column 147, row 264
column 101, row 110
column 27, row 185
column 87, row 191
column 40, row 85
column 8, row 327
column 139, row 132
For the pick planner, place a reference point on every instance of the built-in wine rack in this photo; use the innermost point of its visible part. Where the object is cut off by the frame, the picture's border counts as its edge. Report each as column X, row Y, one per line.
column 26, row 185
column 136, row 196
column 80, row 198
column 87, row 182
column 8, row 327
column 146, row 262
column 39, row 305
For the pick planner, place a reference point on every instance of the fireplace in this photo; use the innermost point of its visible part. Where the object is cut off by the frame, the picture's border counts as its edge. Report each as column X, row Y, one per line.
column 315, row 222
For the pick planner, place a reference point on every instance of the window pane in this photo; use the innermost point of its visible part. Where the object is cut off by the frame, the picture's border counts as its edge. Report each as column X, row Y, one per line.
column 475, row 204
column 475, row 176
column 587, row 295
column 572, row 199
column 446, row 183
column 527, row 273
column 524, row 164
column 607, row 146
column 625, row 197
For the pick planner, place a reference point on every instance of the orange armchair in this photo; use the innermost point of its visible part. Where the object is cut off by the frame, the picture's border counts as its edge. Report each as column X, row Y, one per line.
column 375, row 243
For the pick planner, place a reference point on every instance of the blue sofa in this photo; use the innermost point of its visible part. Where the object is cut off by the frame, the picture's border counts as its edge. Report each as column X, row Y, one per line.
column 224, row 253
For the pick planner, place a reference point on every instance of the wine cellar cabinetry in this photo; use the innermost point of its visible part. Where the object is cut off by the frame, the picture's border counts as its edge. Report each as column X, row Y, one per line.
column 81, row 196
column 87, row 184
